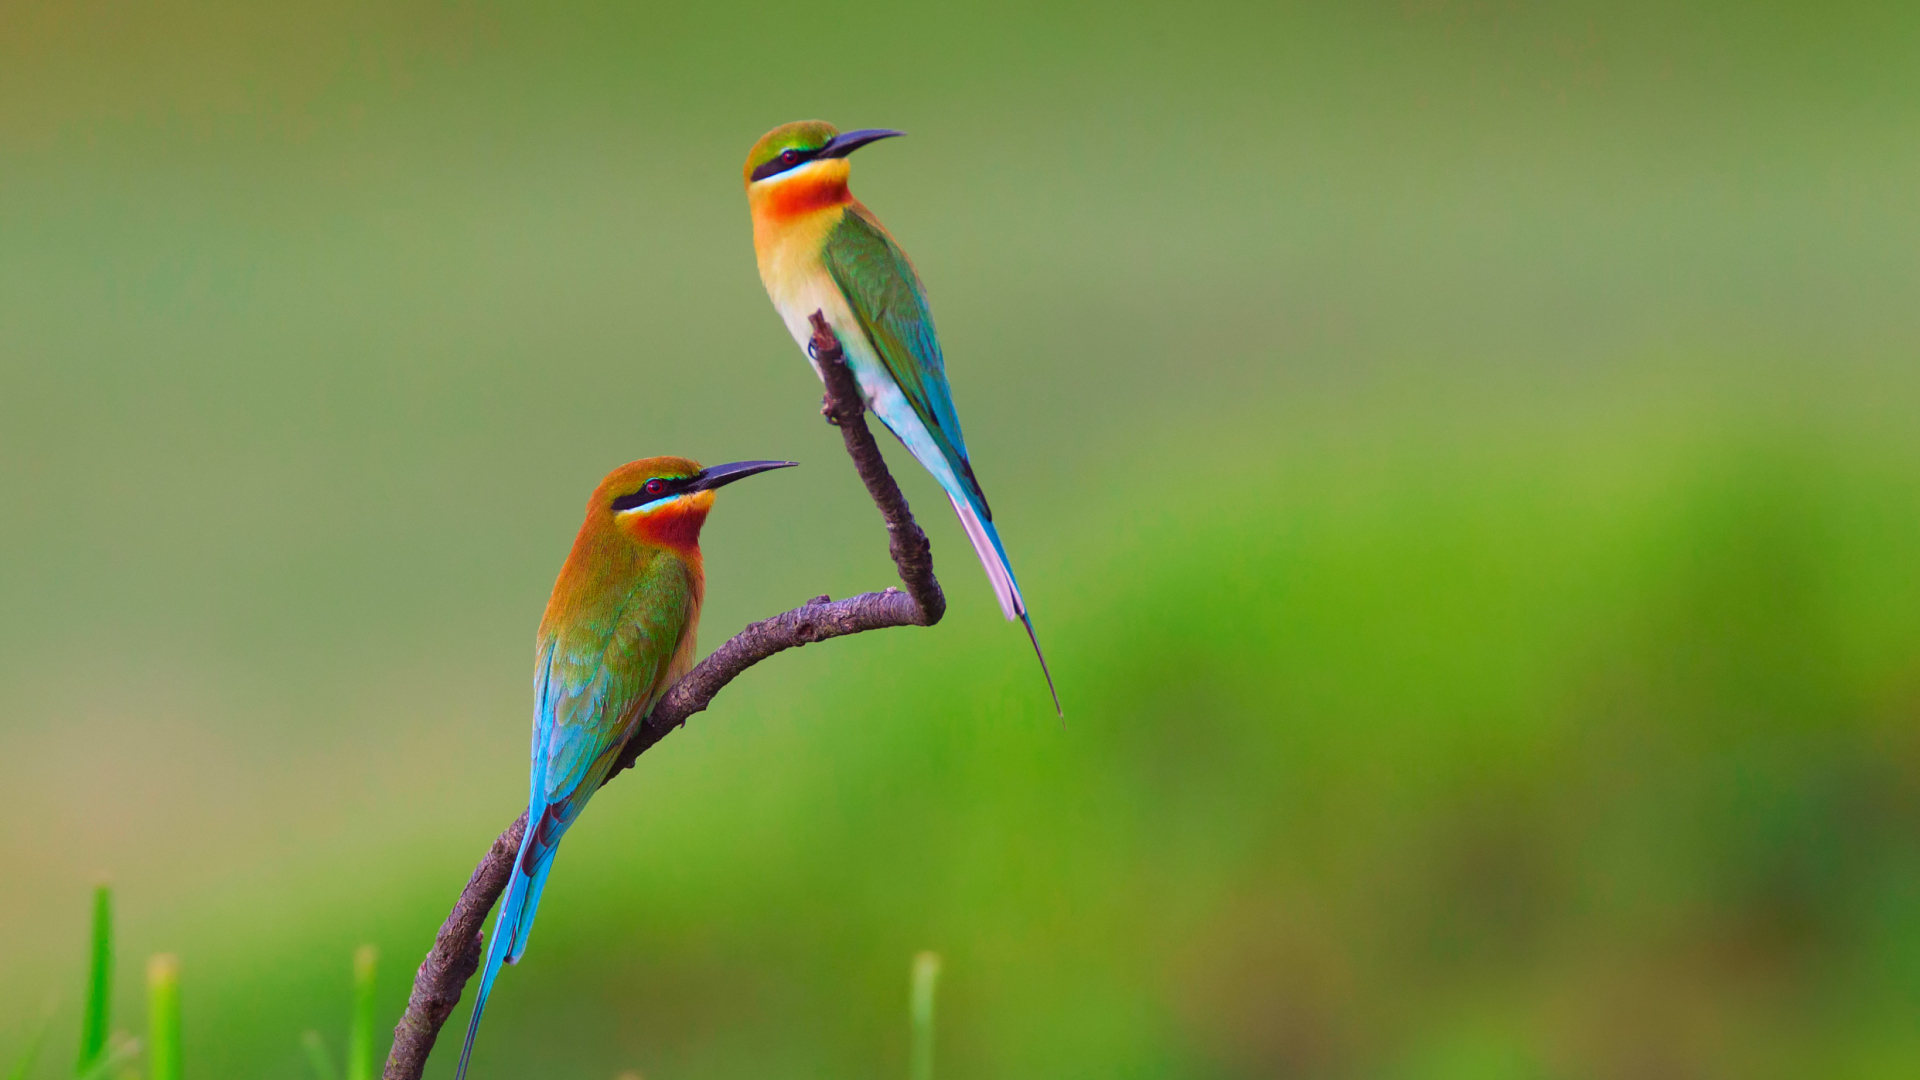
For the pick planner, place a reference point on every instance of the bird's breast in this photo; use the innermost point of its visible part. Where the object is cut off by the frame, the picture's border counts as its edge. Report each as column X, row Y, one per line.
column 789, row 247
column 793, row 269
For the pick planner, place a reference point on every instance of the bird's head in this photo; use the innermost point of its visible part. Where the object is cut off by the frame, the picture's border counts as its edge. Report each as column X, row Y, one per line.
column 664, row 500
column 806, row 153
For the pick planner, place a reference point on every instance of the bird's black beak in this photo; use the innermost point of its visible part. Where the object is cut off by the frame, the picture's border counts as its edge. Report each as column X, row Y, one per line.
column 847, row 142
column 721, row 475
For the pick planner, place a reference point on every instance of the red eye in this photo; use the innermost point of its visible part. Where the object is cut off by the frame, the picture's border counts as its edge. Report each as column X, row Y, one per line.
column 789, row 156
column 656, row 486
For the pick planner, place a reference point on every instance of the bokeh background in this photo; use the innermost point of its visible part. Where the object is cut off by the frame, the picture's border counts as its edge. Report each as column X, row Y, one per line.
column 1461, row 454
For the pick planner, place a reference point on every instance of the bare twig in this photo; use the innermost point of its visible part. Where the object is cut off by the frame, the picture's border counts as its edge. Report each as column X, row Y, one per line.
column 454, row 958
column 455, row 955
column 905, row 542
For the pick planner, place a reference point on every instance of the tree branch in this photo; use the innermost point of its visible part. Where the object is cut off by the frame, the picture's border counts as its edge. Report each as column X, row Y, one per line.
column 456, row 951
column 844, row 408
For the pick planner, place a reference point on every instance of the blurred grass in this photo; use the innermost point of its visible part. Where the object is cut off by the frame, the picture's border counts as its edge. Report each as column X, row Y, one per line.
column 367, row 1037
column 366, row 1047
column 163, row 1017
column 926, row 980
column 318, row 1059
column 96, row 1016
column 28, row 1054
column 1461, row 456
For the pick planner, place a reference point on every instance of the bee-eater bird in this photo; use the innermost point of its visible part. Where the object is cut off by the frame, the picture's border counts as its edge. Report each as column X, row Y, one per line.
column 821, row 250
column 619, row 630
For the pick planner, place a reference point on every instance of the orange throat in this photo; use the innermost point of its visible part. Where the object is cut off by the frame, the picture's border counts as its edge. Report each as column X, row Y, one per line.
column 675, row 525
column 782, row 202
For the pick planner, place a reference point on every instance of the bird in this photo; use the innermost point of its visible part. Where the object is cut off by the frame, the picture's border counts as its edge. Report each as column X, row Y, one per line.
column 820, row 249
column 618, row 632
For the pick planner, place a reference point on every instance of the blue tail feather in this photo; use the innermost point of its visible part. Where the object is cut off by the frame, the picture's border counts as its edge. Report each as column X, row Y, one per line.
column 1027, row 620
column 993, row 556
column 955, row 476
column 523, row 927
column 512, row 925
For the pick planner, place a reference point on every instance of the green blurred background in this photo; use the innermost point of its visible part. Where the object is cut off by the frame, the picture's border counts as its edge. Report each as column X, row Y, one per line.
column 1462, row 457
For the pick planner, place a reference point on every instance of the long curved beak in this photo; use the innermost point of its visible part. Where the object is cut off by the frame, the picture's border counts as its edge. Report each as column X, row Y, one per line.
column 847, row 142
column 721, row 475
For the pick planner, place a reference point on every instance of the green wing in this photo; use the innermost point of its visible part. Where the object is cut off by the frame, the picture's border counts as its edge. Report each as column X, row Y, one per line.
column 596, row 674
column 885, row 295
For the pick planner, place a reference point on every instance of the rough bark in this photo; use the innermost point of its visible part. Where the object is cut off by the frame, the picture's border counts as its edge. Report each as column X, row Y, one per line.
column 905, row 542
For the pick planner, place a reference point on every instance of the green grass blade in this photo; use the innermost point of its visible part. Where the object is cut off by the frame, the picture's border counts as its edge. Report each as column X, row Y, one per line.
column 119, row 1051
column 97, row 1018
column 926, row 974
column 360, row 1041
column 317, row 1056
column 163, row 1018
column 31, row 1053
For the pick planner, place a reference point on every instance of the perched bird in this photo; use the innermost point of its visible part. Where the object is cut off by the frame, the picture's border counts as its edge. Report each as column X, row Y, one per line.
column 821, row 250
column 619, row 630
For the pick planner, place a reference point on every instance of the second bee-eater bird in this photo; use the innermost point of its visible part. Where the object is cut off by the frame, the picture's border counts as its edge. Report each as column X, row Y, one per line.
column 820, row 249
column 618, row 632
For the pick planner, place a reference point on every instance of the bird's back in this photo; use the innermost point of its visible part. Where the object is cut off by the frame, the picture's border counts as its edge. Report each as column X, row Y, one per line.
column 883, row 289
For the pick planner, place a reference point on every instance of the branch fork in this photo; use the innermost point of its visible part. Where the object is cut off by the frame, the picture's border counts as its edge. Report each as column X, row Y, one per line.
column 456, row 951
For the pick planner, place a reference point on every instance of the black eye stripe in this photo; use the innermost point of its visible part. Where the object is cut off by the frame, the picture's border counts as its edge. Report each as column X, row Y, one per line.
column 674, row 485
column 779, row 163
